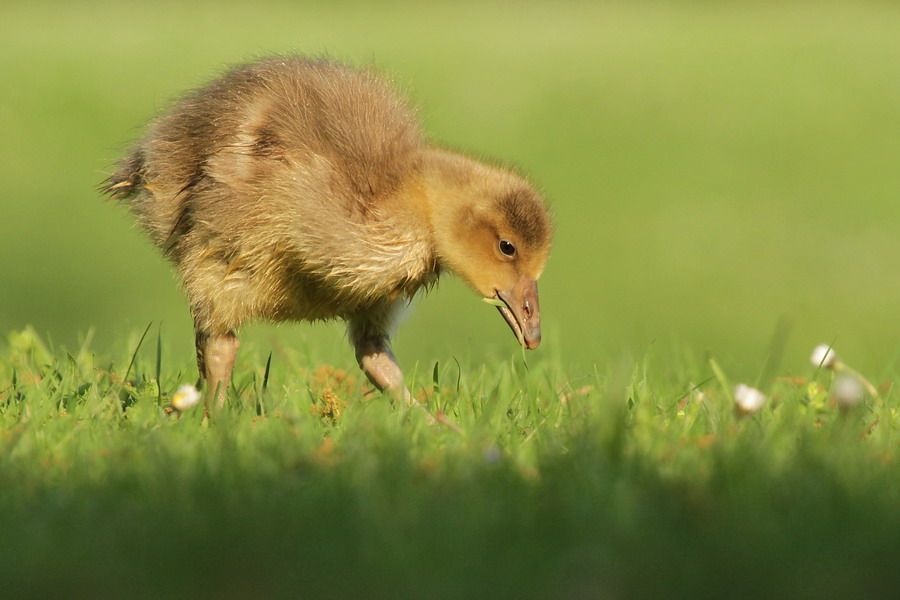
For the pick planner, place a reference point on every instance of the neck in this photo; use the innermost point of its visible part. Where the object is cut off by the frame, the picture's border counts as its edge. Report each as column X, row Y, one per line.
column 446, row 183
column 452, row 185
column 453, row 193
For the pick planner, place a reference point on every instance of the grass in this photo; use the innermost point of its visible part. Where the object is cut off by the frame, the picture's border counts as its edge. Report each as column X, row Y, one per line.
column 641, row 482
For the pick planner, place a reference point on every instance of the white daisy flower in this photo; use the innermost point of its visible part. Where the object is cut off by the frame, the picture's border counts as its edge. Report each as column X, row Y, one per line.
column 748, row 399
column 848, row 391
column 186, row 397
column 824, row 355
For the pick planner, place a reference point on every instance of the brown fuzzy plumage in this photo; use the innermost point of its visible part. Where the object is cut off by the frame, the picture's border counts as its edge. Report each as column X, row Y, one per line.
column 299, row 189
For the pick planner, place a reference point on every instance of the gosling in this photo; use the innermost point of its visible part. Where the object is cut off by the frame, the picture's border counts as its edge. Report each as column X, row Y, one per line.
column 298, row 189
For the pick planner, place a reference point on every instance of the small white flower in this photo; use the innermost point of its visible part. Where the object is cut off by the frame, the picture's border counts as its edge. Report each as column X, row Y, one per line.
column 824, row 355
column 748, row 399
column 848, row 391
column 186, row 397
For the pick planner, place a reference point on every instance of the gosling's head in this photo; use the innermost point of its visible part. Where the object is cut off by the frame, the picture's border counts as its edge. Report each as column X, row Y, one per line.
column 495, row 233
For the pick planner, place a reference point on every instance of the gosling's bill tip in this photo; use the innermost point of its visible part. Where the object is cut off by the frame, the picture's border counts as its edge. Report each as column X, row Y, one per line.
column 521, row 310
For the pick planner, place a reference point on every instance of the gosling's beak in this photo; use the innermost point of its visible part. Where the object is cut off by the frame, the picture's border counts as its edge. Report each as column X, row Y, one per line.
column 522, row 312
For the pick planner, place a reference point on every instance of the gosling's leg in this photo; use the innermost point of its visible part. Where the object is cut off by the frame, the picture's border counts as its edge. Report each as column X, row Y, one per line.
column 215, row 360
column 378, row 362
column 370, row 334
column 371, row 340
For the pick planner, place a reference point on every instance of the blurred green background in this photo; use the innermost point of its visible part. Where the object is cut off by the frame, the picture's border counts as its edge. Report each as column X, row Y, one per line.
column 713, row 168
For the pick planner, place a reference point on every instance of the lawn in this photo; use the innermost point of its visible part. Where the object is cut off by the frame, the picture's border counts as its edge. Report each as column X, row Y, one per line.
column 724, row 186
column 644, row 483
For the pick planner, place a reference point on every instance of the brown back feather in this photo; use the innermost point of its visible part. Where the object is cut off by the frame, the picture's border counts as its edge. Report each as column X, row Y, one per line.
column 278, row 113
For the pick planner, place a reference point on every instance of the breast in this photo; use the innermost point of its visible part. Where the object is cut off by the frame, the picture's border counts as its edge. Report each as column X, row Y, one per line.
column 314, row 271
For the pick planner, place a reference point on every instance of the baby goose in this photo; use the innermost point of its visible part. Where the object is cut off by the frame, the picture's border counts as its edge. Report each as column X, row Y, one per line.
column 301, row 189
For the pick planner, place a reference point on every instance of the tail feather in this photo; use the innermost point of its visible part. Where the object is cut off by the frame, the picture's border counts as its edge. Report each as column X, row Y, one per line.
column 128, row 179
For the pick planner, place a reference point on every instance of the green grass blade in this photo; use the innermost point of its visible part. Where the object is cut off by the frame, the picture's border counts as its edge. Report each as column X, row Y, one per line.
column 135, row 353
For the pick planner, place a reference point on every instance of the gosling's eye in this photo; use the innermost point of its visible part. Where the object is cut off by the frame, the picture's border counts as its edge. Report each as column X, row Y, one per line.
column 507, row 248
